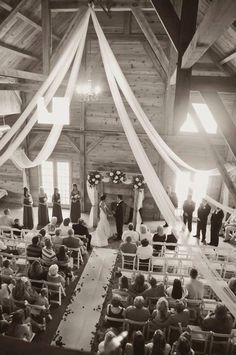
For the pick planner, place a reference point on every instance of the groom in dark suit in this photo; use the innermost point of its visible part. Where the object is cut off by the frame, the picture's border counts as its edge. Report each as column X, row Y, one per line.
column 119, row 216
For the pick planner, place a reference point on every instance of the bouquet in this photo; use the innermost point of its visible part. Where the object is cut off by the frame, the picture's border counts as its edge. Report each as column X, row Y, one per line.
column 138, row 182
column 117, row 176
column 94, row 178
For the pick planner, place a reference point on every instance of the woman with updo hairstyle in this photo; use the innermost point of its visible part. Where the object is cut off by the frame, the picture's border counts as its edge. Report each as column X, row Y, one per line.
column 56, row 208
column 28, row 215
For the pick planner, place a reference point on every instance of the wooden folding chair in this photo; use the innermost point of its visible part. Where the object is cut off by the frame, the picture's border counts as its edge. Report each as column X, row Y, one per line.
column 128, row 261
column 219, row 342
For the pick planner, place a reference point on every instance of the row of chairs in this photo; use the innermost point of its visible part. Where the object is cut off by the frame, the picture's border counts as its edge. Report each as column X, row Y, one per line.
column 203, row 342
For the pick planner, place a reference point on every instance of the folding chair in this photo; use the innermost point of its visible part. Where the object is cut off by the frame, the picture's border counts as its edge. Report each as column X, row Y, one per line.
column 219, row 342
column 78, row 257
column 116, row 322
column 132, row 325
column 143, row 265
column 200, row 341
column 128, row 261
column 158, row 265
column 194, row 307
column 55, row 289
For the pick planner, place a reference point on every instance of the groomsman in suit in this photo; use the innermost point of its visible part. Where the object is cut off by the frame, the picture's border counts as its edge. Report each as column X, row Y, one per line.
column 202, row 215
column 216, row 223
column 119, row 216
column 188, row 209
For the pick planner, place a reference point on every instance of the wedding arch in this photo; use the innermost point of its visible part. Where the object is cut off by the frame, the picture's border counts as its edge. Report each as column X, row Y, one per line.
column 117, row 82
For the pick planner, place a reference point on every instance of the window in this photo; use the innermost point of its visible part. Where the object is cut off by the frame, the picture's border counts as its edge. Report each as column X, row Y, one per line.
column 56, row 174
column 205, row 117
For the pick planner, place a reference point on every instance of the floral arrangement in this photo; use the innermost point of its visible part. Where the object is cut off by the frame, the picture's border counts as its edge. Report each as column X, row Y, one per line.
column 117, row 176
column 138, row 182
column 94, row 178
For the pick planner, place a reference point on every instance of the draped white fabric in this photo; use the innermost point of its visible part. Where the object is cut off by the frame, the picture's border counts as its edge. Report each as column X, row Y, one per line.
column 93, row 197
column 19, row 156
column 54, row 79
column 220, row 205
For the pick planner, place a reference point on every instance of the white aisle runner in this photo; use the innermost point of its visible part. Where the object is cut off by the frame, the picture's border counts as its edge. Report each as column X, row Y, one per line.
column 76, row 329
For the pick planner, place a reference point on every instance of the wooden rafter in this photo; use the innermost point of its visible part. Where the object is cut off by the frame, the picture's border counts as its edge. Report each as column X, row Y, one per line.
column 154, row 60
column 188, row 23
column 21, row 52
column 218, row 18
column 71, row 142
column 26, row 19
column 46, row 35
column 214, row 84
column 12, row 14
column 21, row 74
column 94, row 144
column 169, row 19
column 228, row 58
column 25, row 87
column 151, row 38
column 222, row 117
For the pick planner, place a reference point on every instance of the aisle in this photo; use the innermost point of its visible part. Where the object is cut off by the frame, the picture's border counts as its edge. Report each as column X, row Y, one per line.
column 76, row 330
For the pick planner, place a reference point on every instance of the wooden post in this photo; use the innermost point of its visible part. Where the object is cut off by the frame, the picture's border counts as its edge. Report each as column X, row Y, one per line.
column 83, row 175
column 46, row 34
column 219, row 163
column 183, row 77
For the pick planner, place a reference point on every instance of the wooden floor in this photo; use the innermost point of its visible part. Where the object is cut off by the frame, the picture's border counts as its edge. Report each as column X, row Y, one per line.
column 76, row 330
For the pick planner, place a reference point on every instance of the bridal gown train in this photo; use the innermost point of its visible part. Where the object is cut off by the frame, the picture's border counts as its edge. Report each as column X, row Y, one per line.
column 102, row 233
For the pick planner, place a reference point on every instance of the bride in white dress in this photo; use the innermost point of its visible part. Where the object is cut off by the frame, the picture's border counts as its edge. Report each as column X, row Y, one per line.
column 102, row 232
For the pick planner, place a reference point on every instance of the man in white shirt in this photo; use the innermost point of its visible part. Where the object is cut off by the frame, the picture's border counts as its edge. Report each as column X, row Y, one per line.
column 194, row 287
column 6, row 219
column 130, row 233
column 145, row 250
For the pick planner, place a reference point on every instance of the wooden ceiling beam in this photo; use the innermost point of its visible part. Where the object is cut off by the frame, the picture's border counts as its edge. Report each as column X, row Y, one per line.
column 214, row 84
column 151, row 38
column 73, row 5
column 17, row 51
column 228, row 58
column 12, row 14
column 21, row 74
column 188, row 24
column 25, row 87
column 217, row 19
column 46, row 36
column 169, row 19
column 222, row 118
column 26, row 19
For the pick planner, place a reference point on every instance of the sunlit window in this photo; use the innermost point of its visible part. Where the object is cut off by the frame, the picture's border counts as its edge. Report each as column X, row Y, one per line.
column 47, row 178
column 205, row 117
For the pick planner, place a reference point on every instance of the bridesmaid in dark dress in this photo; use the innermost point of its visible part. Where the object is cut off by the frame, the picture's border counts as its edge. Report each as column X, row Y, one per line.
column 75, row 213
column 43, row 218
column 28, row 216
column 56, row 208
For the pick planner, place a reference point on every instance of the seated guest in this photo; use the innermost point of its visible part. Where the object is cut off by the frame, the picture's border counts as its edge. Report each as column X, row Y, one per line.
column 65, row 226
column 219, row 322
column 33, row 294
column 103, row 346
column 138, row 312
column 42, row 237
column 158, row 346
column 37, row 272
column 54, row 277
column 131, row 233
column 5, row 291
column 63, row 260
column 57, row 239
column 180, row 315
column 183, row 345
column 194, row 287
column 137, row 346
column 71, row 241
column 34, row 250
column 128, row 246
column 171, row 239
column 18, row 328
column 176, row 291
column 232, row 284
column 48, row 254
column 3, row 322
column 81, row 230
column 158, row 237
column 17, row 225
column 6, row 219
column 7, row 270
column 115, row 310
column 122, row 290
column 42, row 300
column 230, row 226
column 155, row 290
column 145, row 233
column 51, row 227
column 161, row 314
column 144, row 251
column 4, row 248
column 20, row 292
column 138, row 286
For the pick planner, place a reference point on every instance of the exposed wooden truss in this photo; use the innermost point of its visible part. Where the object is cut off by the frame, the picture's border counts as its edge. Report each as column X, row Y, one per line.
column 218, row 18
column 21, row 52
column 46, row 35
column 228, row 58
